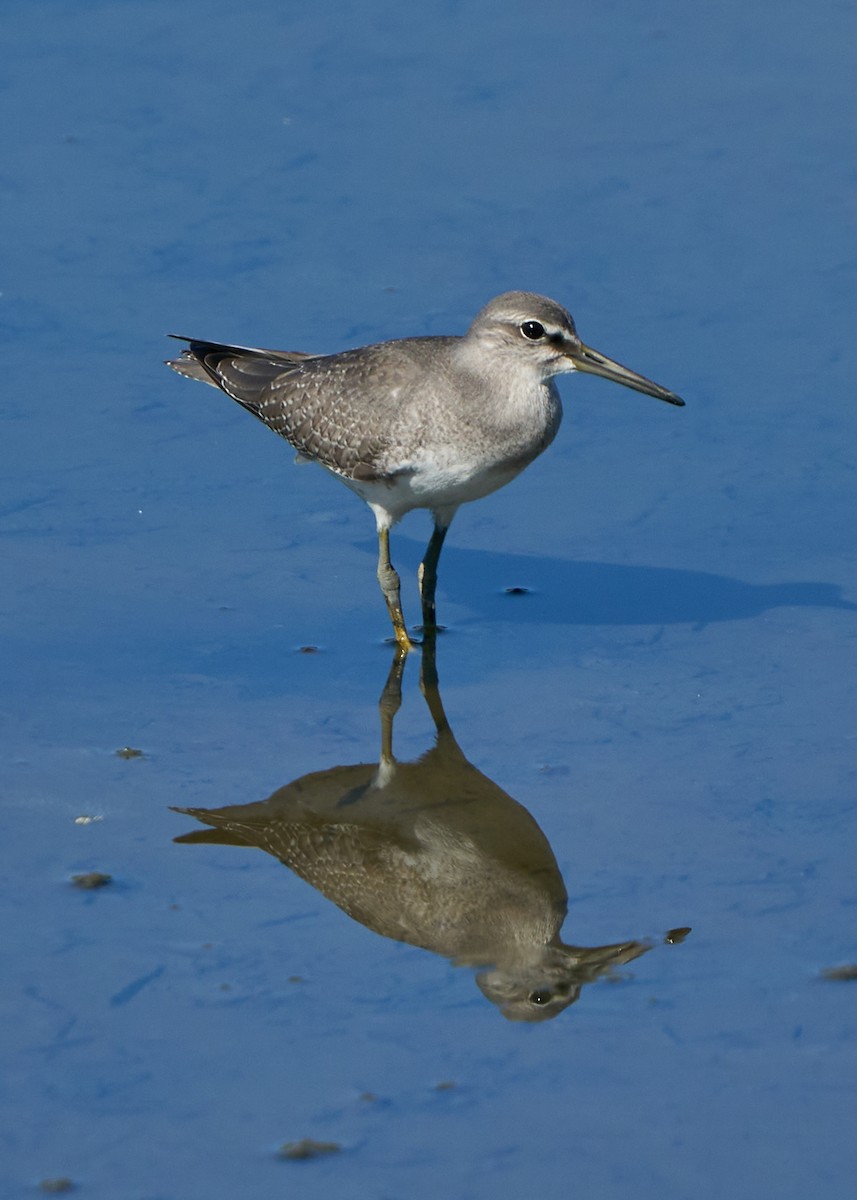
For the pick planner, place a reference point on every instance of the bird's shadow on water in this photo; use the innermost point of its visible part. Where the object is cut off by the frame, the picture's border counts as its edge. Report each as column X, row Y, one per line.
column 569, row 592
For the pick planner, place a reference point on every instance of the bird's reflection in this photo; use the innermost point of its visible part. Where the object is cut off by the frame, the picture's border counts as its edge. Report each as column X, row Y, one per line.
column 432, row 853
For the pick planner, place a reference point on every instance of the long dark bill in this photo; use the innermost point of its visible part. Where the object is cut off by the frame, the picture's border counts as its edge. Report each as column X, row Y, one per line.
column 589, row 360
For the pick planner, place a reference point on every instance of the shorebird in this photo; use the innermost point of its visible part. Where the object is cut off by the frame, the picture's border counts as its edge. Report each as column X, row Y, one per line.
column 425, row 422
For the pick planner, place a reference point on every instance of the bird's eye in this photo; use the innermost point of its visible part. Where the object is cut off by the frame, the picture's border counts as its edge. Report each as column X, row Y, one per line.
column 533, row 330
column 543, row 997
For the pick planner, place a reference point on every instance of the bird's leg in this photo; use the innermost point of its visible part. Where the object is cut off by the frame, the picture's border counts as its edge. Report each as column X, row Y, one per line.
column 389, row 581
column 427, row 576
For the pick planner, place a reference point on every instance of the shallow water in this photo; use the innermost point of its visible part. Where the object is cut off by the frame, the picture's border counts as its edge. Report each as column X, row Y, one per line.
column 656, row 734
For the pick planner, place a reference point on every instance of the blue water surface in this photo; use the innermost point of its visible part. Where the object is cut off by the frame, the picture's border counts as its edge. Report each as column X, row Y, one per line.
column 663, row 707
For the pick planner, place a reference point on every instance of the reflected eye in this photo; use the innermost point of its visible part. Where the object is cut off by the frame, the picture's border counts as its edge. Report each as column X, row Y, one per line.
column 540, row 997
column 533, row 330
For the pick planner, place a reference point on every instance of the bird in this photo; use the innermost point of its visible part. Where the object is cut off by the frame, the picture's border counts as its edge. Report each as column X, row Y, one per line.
column 422, row 422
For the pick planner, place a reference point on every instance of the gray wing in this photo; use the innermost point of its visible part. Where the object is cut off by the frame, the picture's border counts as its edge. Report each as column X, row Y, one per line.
column 345, row 411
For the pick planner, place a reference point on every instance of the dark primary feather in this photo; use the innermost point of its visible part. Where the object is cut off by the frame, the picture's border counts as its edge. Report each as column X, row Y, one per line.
column 240, row 371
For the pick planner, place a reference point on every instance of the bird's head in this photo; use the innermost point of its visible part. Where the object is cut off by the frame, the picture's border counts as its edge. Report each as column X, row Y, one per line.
column 537, row 331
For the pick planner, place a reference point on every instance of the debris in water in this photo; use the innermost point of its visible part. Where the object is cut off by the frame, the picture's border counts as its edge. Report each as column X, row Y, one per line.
column 91, row 879
column 307, row 1148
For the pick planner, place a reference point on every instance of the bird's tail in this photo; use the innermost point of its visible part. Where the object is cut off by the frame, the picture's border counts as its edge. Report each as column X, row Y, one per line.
column 243, row 372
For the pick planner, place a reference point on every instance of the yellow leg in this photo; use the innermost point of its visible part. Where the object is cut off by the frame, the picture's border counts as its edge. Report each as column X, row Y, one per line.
column 389, row 581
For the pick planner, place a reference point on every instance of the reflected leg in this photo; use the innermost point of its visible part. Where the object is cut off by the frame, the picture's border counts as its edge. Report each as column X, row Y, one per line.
column 390, row 703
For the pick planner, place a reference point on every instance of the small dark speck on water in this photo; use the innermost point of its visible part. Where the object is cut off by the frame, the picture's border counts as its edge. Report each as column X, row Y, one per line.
column 295, row 979
column 673, row 936
column 841, row 974
column 307, row 1148
column 308, row 650
column 91, row 879
column 516, row 591
column 129, row 752
column 445, row 1085
column 56, row 1185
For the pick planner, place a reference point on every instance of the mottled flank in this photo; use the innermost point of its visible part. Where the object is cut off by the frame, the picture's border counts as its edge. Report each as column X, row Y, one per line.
column 292, row 394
